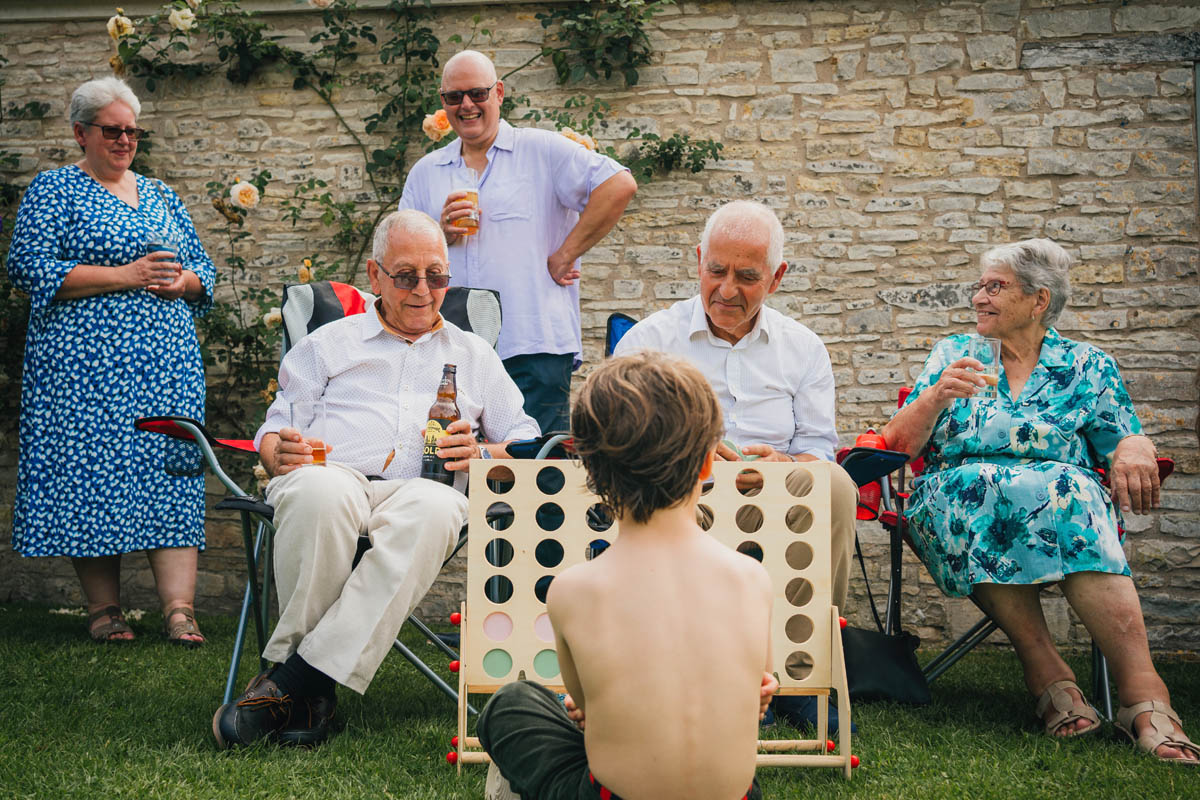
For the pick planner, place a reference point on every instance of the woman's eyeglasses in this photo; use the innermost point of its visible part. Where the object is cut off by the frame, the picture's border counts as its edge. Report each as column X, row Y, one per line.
column 409, row 280
column 477, row 95
column 114, row 132
column 991, row 287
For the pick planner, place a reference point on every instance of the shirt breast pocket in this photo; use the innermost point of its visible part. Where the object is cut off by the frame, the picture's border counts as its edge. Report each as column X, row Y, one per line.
column 513, row 201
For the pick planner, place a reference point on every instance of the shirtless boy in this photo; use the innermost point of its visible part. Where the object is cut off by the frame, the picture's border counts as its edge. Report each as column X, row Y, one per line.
column 663, row 640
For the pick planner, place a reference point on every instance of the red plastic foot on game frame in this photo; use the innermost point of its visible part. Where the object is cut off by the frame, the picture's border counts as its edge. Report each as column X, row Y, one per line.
column 854, row 762
column 454, row 666
column 829, row 745
column 452, row 757
column 456, row 618
column 454, row 741
column 842, row 621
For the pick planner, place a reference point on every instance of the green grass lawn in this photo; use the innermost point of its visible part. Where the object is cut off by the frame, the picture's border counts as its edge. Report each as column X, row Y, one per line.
column 79, row 720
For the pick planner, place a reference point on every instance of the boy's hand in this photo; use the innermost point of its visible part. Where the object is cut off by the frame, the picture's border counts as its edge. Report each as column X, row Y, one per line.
column 765, row 693
column 574, row 713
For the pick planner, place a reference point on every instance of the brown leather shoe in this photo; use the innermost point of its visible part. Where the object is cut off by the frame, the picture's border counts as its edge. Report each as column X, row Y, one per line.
column 259, row 713
column 310, row 722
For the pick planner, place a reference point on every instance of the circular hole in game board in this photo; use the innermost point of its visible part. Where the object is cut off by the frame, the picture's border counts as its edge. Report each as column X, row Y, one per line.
column 497, row 626
column 799, row 482
column 752, row 549
column 798, row 555
column 498, row 589
column 550, row 480
column 545, row 664
column 798, row 628
column 799, row 519
column 599, row 517
column 549, row 516
column 594, row 548
column 704, row 517
column 500, row 516
column 497, row 663
column 748, row 519
column 549, row 552
column 500, row 479
column 498, row 552
column 799, row 665
column 798, row 592
column 541, row 587
column 542, row 628
column 749, row 482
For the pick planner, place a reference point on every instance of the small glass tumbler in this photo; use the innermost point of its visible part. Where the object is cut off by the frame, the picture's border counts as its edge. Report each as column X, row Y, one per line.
column 987, row 352
column 309, row 418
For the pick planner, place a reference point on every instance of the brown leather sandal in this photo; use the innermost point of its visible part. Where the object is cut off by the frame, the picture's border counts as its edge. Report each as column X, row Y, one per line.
column 1161, row 731
column 106, row 633
column 1066, row 710
column 175, row 631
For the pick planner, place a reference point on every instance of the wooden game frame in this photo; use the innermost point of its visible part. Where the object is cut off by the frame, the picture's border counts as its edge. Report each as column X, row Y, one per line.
column 793, row 535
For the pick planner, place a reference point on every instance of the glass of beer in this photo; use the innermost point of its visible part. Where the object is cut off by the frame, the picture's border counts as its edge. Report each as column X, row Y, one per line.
column 466, row 180
column 987, row 352
column 309, row 418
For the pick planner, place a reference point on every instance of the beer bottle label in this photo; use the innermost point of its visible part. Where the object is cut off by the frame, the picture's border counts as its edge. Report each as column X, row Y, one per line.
column 434, row 430
column 433, row 467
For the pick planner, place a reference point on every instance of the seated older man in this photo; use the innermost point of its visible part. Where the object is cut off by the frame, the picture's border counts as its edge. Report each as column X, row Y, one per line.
column 378, row 373
column 771, row 373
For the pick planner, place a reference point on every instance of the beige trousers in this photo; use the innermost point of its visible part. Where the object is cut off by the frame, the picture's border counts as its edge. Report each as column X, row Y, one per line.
column 843, row 508
column 343, row 621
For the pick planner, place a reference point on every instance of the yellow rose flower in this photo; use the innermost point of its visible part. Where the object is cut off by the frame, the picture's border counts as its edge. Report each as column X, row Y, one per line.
column 436, row 125
column 304, row 273
column 579, row 138
column 182, row 19
column 273, row 317
column 244, row 195
column 119, row 25
column 194, row 4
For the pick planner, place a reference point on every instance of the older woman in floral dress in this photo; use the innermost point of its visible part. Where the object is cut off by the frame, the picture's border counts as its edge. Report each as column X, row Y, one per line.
column 111, row 338
column 1010, row 499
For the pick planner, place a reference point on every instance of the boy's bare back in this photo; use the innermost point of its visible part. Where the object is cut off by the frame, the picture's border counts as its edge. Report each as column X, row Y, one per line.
column 663, row 642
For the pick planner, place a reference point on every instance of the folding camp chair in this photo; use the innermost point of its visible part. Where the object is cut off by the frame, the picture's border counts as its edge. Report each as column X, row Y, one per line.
column 305, row 308
column 892, row 517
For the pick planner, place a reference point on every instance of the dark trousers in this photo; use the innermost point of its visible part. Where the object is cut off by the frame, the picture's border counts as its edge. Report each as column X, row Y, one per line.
column 539, row 750
column 545, row 381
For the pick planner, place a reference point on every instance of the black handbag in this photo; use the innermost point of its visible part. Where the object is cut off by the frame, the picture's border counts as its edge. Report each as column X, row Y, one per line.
column 882, row 666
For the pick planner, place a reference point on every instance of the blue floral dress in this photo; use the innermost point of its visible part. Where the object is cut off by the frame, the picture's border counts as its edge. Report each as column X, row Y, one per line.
column 1009, row 493
column 88, row 483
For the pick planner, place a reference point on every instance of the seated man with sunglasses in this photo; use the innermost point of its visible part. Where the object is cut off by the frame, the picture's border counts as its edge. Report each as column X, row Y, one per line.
column 378, row 373
column 543, row 201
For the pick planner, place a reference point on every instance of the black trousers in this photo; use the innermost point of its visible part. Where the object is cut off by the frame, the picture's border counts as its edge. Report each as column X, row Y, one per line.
column 545, row 381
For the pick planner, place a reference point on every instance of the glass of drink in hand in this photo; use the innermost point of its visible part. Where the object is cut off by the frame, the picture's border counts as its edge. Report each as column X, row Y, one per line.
column 987, row 352
column 466, row 180
column 309, row 418
column 161, row 241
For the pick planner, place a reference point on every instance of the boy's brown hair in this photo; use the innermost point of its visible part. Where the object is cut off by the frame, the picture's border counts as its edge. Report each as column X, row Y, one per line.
column 643, row 424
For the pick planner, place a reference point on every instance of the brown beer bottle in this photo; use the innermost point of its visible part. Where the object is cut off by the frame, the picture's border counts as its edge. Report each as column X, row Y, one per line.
column 443, row 411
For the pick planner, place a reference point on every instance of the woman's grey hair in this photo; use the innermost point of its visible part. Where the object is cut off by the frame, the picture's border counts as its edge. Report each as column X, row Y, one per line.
column 743, row 219
column 1038, row 264
column 408, row 221
column 91, row 97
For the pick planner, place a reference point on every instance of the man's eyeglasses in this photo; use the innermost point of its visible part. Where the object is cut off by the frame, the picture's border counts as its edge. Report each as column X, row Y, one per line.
column 114, row 132
column 477, row 95
column 991, row 287
column 409, row 280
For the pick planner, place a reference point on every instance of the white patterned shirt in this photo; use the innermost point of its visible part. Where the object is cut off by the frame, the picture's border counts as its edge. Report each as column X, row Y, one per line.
column 775, row 385
column 378, row 388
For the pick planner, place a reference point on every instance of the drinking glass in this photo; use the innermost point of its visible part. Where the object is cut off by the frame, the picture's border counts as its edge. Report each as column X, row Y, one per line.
column 162, row 241
column 309, row 418
column 466, row 180
column 987, row 352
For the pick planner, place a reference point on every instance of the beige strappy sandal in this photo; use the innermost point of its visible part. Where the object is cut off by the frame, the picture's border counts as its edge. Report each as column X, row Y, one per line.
column 1161, row 731
column 110, row 632
column 175, row 631
column 1067, row 710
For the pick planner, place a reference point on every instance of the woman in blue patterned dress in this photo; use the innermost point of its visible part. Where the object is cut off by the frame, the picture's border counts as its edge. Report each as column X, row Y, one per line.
column 111, row 338
column 1010, row 501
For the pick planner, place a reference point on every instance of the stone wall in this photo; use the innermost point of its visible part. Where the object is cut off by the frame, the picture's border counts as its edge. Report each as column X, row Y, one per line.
column 898, row 139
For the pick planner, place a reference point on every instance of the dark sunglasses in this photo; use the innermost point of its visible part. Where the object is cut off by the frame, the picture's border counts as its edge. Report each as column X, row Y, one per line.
column 409, row 280
column 114, row 132
column 477, row 95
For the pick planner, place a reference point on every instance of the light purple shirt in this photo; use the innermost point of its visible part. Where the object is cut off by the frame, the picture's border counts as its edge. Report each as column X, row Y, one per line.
column 530, row 196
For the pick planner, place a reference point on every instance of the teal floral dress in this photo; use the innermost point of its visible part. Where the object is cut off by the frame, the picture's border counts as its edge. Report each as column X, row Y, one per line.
column 1009, row 493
